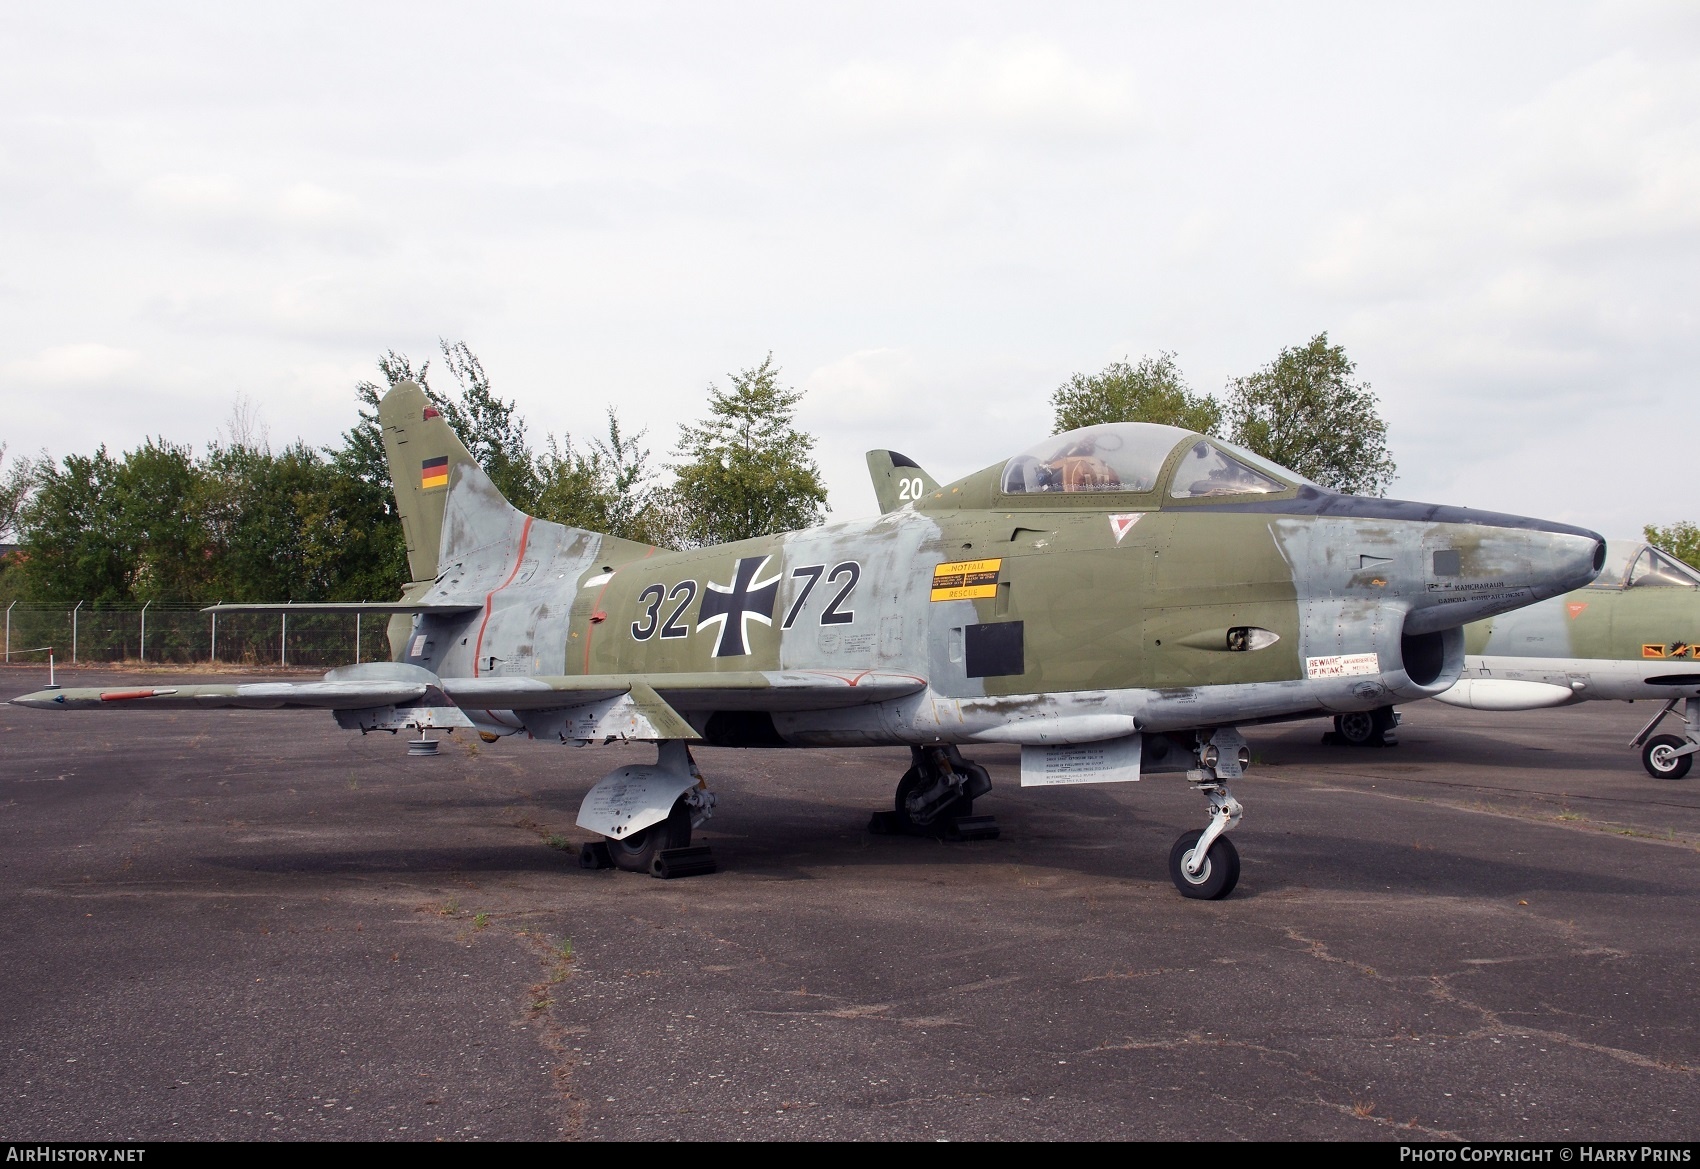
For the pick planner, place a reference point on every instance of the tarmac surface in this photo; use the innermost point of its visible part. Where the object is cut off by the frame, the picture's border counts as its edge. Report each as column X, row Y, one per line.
column 252, row 925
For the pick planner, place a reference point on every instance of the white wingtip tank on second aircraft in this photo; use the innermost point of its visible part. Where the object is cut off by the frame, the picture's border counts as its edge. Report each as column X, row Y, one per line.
column 1116, row 600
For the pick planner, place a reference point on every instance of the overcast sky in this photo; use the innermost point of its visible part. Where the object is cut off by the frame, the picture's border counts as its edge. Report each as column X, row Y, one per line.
column 932, row 214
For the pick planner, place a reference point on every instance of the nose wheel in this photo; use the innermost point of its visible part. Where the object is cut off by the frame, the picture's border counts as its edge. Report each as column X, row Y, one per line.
column 1661, row 760
column 1670, row 756
column 1215, row 878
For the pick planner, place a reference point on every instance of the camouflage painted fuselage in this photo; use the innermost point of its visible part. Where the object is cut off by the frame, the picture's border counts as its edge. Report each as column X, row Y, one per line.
column 1033, row 619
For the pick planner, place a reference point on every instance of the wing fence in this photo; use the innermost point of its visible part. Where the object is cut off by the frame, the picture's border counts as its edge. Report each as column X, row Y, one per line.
column 178, row 632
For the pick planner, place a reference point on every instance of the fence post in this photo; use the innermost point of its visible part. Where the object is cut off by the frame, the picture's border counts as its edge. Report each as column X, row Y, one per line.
column 74, row 632
column 357, row 637
column 142, row 653
column 283, row 641
column 9, row 632
column 212, row 656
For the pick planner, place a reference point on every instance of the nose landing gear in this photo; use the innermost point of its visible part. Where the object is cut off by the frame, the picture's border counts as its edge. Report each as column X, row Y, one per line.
column 1670, row 756
column 1204, row 864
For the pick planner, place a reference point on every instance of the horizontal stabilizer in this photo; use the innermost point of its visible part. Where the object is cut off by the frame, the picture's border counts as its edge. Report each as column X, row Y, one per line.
column 360, row 687
column 245, row 696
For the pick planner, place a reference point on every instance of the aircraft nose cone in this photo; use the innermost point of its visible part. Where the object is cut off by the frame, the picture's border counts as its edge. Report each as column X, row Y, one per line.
column 1566, row 560
column 1482, row 564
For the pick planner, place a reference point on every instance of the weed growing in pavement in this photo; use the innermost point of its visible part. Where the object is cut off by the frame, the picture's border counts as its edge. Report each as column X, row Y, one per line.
column 481, row 920
column 560, row 842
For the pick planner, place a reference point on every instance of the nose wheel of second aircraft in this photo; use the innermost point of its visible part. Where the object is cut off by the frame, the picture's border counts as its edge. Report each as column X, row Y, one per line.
column 1661, row 760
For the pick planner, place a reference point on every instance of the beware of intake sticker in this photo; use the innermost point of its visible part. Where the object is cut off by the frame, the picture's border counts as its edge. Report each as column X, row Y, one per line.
column 1342, row 666
column 966, row 580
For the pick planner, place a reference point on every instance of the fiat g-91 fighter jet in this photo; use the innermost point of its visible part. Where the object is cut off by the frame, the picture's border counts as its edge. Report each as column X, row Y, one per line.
column 1117, row 600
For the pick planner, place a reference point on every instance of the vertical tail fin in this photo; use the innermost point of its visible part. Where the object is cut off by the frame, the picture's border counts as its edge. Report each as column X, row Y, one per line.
column 898, row 479
column 423, row 453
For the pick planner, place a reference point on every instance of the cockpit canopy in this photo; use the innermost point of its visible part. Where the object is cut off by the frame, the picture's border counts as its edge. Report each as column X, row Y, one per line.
column 1130, row 457
column 1633, row 565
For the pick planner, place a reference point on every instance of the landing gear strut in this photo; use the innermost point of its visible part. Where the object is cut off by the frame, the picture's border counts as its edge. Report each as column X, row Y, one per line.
column 1204, row 863
column 936, row 797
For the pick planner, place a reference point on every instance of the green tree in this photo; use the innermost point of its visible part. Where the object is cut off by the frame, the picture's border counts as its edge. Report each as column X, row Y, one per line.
column 492, row 429
column 361, row 511
column 1152, row 391
column 254, row 503
column 1305, row 411
column 68, row 532
column 156, row 495
column 745, row 470
column 1681, row 540
column 606, row 488
column 16, row 483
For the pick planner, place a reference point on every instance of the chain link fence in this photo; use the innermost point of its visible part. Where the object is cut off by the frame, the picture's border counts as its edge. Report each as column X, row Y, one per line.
column 180, row 633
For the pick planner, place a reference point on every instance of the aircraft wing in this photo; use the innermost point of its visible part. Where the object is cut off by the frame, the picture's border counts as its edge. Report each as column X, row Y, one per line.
column 384, row 684
column 770, row 690
column 346, row 607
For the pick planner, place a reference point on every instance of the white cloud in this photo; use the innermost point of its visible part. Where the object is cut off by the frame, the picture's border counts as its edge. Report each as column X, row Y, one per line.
column 1608, row 157
column 224, row 207
column 68, row 366
column 1023, row 87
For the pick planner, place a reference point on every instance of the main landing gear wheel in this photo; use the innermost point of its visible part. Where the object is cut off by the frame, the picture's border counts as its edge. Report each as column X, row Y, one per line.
column 1660, row 759
column 912, row 781
column 1366, row 728
column 1218, row 875
column 1357, row 728
column 635, row 853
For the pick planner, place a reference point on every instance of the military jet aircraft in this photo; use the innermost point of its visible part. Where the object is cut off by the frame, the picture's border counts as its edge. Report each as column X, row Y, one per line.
column 1117, row 600
column 1630, row 634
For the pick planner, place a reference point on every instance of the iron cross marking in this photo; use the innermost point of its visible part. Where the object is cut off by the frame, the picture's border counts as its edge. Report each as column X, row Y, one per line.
column 735, row 605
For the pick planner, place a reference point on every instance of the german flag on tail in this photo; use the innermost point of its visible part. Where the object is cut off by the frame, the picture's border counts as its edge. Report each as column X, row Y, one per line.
column 434, row 472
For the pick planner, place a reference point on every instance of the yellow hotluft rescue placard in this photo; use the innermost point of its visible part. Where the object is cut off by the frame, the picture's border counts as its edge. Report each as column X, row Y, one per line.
column 966, row 580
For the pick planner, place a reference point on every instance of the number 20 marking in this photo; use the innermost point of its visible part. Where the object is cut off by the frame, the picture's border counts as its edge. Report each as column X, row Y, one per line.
column 909, row 489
